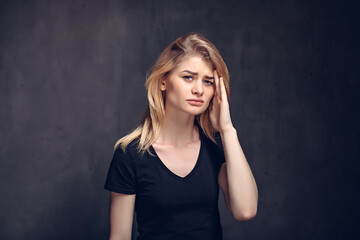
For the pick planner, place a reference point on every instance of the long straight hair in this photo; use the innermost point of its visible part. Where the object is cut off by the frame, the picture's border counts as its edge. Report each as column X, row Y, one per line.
column 191, row 44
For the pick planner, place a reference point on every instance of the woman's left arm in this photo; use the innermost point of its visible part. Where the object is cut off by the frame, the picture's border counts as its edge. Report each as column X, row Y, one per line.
column 235, row 178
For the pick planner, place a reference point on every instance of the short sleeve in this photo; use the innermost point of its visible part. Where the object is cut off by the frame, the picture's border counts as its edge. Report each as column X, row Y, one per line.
column 121, row 174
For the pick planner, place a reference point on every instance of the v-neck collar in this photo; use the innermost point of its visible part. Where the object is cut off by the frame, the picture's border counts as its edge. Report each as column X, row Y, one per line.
column 185, row 178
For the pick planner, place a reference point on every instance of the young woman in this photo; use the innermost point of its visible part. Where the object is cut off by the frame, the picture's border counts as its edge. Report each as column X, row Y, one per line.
column 170, row 167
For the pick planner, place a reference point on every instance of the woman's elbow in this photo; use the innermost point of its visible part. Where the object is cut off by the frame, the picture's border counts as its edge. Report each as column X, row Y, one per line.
column 119, row 238
column 245, row 215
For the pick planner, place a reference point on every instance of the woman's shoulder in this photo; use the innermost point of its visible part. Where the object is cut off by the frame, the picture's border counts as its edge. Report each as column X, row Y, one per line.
column 130, row 151
column 215, row 146
column 217, row 137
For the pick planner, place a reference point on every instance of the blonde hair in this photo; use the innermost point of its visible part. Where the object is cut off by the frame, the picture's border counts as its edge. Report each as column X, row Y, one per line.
column 191, row 44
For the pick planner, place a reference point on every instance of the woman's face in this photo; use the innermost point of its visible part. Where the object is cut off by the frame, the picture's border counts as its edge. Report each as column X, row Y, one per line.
column 190, row 87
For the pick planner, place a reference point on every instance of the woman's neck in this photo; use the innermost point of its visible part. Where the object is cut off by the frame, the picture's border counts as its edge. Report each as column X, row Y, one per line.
column 178, row 131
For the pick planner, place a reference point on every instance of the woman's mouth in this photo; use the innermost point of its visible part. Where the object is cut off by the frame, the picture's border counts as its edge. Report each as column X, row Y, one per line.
column 195, row 102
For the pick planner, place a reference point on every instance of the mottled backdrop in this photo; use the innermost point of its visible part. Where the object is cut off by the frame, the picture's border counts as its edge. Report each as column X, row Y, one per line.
column 72, row 77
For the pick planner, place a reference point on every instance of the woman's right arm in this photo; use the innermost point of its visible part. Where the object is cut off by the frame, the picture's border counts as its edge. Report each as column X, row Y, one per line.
column 121, row 215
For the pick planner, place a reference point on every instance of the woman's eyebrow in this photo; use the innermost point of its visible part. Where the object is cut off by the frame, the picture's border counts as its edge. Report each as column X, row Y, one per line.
column 195, row 73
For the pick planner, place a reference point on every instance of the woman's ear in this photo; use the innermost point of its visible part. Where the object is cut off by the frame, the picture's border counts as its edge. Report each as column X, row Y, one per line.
column 163, row 85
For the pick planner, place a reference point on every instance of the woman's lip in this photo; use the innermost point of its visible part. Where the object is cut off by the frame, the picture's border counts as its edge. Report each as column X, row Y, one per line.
column 196, row 100
column 195, row 103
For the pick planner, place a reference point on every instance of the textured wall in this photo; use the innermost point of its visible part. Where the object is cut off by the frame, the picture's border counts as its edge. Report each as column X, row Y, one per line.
column 72, row 77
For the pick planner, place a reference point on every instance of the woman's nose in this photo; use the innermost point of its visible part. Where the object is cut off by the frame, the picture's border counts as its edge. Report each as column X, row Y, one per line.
column 198, row 87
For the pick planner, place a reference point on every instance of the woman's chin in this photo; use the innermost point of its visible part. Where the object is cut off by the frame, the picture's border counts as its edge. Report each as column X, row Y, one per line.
column 198, row 111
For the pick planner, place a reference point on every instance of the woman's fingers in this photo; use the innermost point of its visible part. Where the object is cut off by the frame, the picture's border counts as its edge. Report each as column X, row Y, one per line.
column 222, row 86
column 217, row 84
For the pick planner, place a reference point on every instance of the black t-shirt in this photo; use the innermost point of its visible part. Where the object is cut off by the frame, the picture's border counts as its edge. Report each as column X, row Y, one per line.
column 169, row 206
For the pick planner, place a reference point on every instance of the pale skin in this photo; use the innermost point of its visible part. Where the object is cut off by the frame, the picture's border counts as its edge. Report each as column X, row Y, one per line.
column 194, row 79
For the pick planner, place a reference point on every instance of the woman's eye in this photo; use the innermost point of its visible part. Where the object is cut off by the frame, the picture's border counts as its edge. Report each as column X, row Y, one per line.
column 207, row 82
column 187, row 77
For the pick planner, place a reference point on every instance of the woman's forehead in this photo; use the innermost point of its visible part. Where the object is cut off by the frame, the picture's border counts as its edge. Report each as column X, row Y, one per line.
column 195, row 64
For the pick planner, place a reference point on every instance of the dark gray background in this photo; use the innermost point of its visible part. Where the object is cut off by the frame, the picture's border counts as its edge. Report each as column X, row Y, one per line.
column 72, row 77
